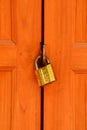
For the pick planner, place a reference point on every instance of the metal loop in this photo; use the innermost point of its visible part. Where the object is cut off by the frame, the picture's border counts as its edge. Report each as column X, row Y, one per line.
column 36, row 65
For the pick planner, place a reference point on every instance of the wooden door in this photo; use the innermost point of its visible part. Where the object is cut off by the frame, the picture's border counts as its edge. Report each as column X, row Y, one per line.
column 66, row 38
column 19, row 45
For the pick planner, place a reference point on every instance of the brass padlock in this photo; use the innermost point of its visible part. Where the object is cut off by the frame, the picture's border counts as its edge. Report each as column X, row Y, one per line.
column 44, row 74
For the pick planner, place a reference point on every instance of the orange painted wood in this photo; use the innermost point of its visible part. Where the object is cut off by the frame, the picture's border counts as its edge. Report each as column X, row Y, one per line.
column 80, row 102
column 65, row 35
column 7, row 53
column 19, row 45
column 5, row 100
column 5, row 19
column 26, row 112
column 66, row 39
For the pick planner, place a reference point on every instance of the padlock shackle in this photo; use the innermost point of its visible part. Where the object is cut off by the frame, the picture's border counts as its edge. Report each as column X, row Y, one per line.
column 36, row 65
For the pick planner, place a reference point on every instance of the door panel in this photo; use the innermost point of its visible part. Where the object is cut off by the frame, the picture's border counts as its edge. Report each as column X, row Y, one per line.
column 81, row 21
column 79, row 100
column 65, row 35
column 5, row 19
column 5, row 99
column 19, row 91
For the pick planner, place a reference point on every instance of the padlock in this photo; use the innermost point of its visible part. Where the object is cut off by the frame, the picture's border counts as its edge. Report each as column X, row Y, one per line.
column 44, row 74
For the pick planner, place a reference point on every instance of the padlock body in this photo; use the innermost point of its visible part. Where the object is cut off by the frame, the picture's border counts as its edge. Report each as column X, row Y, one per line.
column 45, row 75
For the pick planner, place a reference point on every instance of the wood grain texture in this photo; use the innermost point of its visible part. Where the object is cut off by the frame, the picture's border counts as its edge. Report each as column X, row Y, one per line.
column 5, row 19
column 7, row 53
column 19, row 44
column 81, row 21
column 65, row 34
column 27, row 104
column 60, row 28
column 80, row 102
column 5, row 100
column 8, row 62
